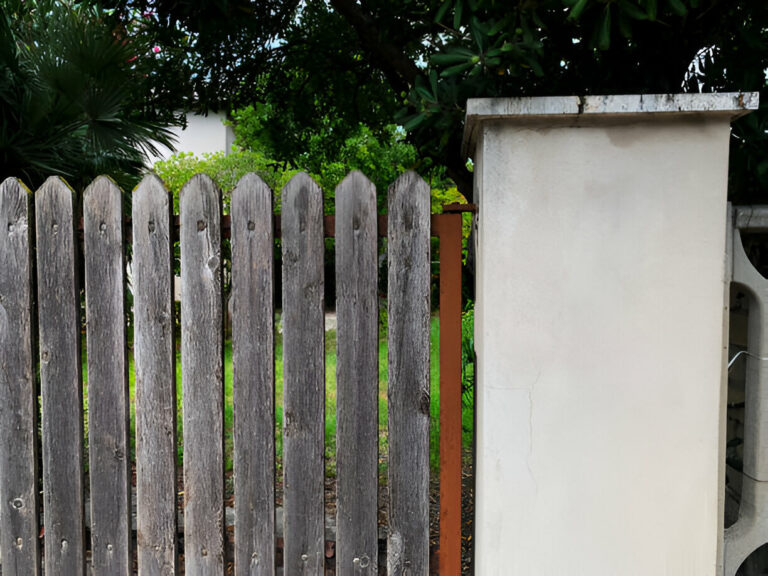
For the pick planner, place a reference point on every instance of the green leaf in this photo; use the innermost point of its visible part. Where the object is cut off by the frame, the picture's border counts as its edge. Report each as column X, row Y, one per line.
column 458, row 69
column 652, row 9
column 478, row 32
column 624, row 25
column 604, row 36
column 452, row 58
column 762, row 168
column 577, row 9
column 440, row 14
column 414, row 122
column 630, row 9
column 457, row 14
column 433, row 82
column 537, row 69
column 499, row 26
column 426, row 94
column 678, row 7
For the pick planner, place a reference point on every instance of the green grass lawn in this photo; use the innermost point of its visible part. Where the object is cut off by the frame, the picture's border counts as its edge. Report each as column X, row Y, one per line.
column 330, row 400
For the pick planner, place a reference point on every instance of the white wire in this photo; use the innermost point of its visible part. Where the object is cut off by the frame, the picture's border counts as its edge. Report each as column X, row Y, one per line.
column 745, row 353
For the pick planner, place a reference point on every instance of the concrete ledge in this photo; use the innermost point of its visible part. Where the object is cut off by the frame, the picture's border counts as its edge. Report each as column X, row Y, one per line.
column 587, row 110
column 752, row 218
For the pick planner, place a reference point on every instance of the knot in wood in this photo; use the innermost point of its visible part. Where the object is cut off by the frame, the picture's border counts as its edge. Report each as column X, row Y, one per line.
column 424, row 402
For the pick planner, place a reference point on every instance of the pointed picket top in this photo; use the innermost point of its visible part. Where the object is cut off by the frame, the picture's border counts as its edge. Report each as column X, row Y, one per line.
column 15, row 183
column 199, row 184
column 358, row 184
column 250, row 185
column 104, row 196
column 14, row 206
column 356, row 177
column 101, row 185
column 301, row 179
column 299, row 182
column 250, row 179
column 409, row 180
column 151, row 197
column 151, row 182
column 55, row 185
column 56, row 182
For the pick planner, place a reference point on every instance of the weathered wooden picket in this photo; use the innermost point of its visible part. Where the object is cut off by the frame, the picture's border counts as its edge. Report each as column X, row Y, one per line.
column 46, row 322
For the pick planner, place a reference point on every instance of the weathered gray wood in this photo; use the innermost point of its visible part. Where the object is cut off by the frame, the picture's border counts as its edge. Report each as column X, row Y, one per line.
column 408, row 388
column 108, row 404
column 253, row 375
column 303, row 376
column 60, row 379
column 357, row 374
column 155, row 369
column 18, row 414
column 202, row 380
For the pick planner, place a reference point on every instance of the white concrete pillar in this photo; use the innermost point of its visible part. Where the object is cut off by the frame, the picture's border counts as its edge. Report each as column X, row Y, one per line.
column 599, row 332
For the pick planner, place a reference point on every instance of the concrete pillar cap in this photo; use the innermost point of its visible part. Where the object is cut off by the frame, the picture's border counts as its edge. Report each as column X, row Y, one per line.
column 591, row 110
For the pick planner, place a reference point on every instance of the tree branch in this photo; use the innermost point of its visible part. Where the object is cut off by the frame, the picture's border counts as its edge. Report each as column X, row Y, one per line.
column 389, row 58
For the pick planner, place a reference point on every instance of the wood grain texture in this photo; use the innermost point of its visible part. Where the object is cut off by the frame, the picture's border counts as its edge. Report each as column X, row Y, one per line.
column 108, row 407
column 253, row 375
column 60, row 379
column 202, row 367
column 155, row 370
column 357, row 377
column 408, row 388
column 19, row 544
column 303, row 376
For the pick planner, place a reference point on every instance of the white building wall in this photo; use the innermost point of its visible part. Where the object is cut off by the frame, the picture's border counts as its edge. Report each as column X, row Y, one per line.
column 203, row 134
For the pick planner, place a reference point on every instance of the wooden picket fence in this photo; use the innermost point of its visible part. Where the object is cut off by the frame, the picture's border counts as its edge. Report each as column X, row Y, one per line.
column 39, row 320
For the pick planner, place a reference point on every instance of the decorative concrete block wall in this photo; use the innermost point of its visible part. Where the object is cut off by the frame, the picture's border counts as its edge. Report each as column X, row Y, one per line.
column 599, row 332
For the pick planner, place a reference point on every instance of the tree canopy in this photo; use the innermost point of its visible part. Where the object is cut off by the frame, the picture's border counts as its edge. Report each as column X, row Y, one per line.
column 79, row 95
column 314, row 72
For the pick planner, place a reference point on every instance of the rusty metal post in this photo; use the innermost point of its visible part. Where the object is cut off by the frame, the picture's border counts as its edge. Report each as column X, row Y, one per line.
column 449, row 232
